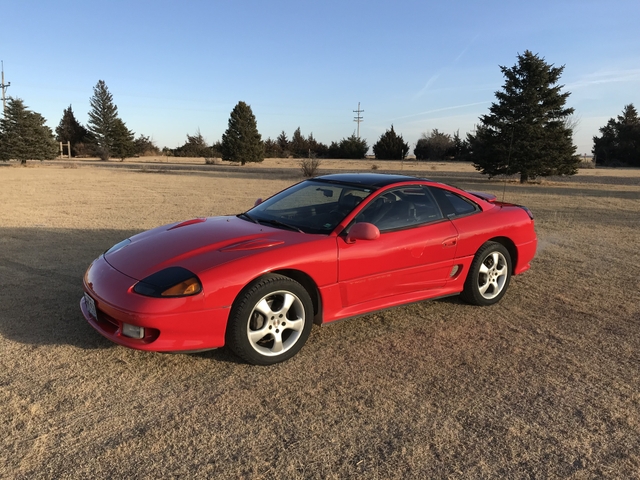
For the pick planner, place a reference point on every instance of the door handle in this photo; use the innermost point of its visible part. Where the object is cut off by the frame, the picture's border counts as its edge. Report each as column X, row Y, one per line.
column 450, row 242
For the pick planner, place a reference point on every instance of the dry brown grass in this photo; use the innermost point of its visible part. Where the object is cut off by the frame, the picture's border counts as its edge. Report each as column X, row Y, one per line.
column 545, row 384
column 271, row 163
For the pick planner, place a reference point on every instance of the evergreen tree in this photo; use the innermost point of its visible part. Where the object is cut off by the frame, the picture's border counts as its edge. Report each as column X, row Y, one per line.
column 102, row 119
column 353, row 147
column 195, row 146
column 315, row 148
column 123, row 144
column 460, row 150
column 216, row 149
column 272, row 149
column 24, row 135
column 299, row 145
column 283, row 143
column 145, row 146
column 242, row 142
column 434, row 146
column 620, row 140
column 70, row 130
column 313, row 145
column 334, row 150
column 391, row 146
column 526, row 130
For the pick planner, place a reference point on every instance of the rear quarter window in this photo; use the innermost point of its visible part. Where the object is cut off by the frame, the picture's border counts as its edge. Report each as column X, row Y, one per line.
column 452, row 204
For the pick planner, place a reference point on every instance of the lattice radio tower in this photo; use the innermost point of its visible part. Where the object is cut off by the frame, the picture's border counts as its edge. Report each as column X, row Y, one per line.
column 358, row 118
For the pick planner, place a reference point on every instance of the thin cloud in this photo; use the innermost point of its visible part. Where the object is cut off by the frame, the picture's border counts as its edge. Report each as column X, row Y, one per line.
column 455, row 107
column 473, row 40
column 424, row 89
column 606, row 77
column 434, row 77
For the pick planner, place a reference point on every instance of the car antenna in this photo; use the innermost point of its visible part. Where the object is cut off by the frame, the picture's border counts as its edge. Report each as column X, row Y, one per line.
column 504, row 187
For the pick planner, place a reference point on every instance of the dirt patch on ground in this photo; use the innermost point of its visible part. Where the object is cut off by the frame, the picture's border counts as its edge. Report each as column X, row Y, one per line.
column 544, row 384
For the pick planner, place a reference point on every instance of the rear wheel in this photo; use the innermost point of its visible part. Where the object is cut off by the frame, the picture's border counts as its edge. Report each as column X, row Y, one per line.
column 488, row 276
column 270, row 321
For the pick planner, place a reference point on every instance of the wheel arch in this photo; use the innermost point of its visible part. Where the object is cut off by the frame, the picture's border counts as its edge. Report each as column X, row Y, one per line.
column 310, row 286
column 507, row 243
column 240, row 334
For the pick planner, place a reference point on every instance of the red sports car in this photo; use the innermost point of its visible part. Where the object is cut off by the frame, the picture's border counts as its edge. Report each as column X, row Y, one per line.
column 325, row 249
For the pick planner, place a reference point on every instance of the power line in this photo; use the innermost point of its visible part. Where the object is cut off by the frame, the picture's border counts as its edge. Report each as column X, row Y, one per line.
column 358, row 118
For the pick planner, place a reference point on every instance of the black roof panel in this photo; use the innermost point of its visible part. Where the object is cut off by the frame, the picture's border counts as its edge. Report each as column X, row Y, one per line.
column 375, row 180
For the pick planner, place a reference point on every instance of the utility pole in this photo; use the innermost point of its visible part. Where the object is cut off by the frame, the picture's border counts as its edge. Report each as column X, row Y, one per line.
column 358, row 118
column 4, row 87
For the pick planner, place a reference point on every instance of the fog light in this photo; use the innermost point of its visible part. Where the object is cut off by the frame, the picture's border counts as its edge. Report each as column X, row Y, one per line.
column 132, row 331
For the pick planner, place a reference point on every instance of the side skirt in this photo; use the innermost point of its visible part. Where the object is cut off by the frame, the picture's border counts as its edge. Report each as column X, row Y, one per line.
column 392, row 307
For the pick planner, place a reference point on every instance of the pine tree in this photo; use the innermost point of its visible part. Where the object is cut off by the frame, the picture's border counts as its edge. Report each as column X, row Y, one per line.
column 123, row 145
column 316, row 149
column 353, row 147
column 272, row 149
column 391, row 146
column 460, row 149
column 526, row 130
column 242, row 142
column 102, row 119
column 283, row 143
column 620, row 140
column 299, row 145
column 24, row 135
column 70, row 130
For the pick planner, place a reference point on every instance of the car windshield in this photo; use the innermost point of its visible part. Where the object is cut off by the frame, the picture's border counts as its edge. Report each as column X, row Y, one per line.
column 311, row 206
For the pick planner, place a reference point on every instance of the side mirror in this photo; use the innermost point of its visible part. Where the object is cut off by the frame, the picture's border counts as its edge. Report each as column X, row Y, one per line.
column 362, row 231
column 258, row 202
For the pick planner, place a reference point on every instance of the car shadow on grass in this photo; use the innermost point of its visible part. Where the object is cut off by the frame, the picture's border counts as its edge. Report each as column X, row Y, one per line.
column 41, row 272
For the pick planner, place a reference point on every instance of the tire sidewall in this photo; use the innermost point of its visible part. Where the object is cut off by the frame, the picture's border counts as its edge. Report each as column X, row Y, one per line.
column 237, row 327
column 471, row 293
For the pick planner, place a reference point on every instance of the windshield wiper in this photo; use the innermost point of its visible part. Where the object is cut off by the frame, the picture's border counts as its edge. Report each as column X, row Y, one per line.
column 247, row 216
column 278, row 223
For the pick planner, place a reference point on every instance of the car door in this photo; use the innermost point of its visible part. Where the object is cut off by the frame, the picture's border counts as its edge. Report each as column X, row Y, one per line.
column 463, row 215
column 414, row 252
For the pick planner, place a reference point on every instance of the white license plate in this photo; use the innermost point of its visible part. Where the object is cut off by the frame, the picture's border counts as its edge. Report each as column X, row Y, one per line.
column 91, row 306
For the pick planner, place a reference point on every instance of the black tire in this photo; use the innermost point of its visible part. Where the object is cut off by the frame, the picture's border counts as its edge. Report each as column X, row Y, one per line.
column 270, row 320
column 489, row 275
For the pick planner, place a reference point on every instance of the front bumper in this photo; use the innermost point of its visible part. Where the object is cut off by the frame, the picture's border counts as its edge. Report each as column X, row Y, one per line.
column 170, row 324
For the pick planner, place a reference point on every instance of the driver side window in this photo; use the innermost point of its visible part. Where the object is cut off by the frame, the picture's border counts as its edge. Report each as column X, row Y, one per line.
column 401, row 208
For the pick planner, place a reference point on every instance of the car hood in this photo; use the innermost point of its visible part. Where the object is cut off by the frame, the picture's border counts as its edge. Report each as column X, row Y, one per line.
column 197, row 245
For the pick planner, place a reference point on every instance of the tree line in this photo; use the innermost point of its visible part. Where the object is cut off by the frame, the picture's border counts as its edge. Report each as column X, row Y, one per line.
column 24, row 135
column 619, row 143
column 527, row 131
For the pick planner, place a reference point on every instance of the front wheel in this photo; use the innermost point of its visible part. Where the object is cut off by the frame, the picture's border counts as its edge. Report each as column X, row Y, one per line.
column 270, row 320
column 488, row 276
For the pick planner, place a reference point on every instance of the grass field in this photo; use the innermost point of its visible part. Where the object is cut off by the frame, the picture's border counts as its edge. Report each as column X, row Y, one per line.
column 545, row 384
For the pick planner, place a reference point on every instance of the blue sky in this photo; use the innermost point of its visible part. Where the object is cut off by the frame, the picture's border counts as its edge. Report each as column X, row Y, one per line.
column 175, row 67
